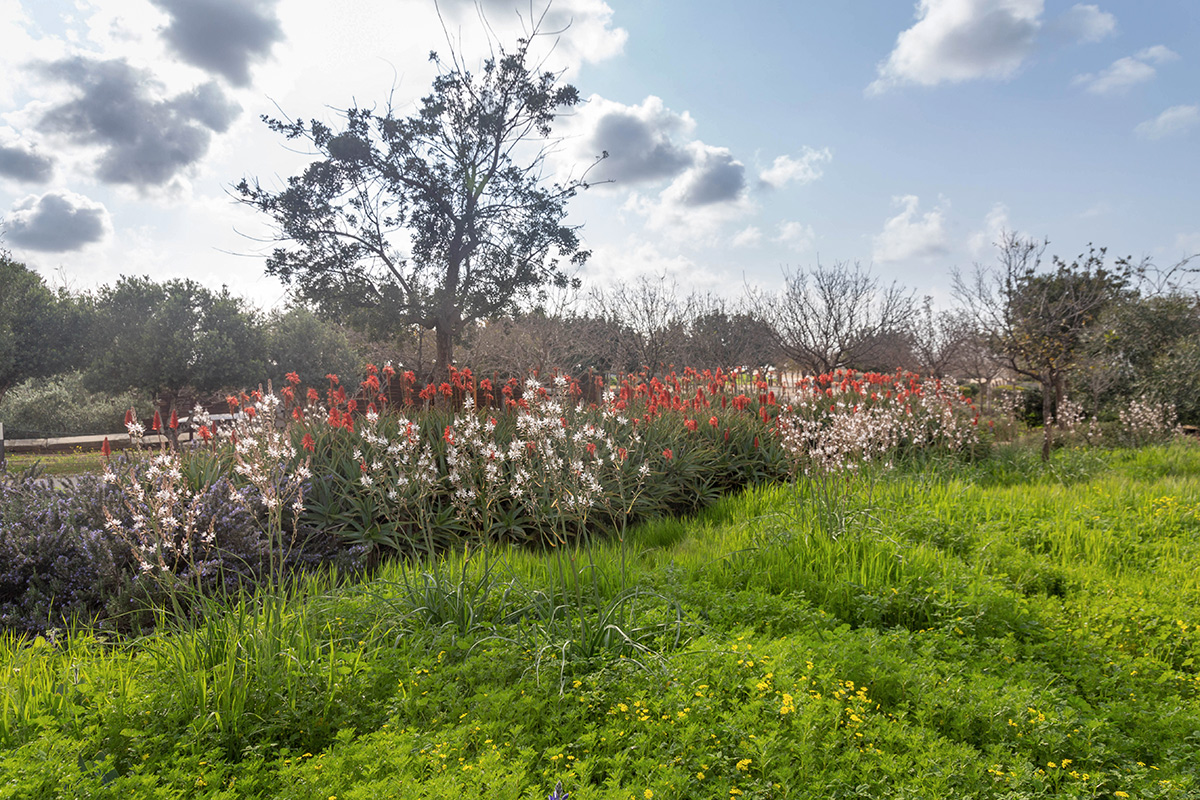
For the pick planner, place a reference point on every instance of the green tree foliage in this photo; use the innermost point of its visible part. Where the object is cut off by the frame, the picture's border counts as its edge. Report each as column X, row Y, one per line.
column 299, row 341
column 40, row 331
column 175, row 339
column 437, row 219
column 62, row 405
column 1036, row 321
column 1120, row 351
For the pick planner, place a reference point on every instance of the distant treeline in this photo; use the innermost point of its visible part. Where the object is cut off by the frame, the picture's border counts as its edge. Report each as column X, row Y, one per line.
column 1102, row 334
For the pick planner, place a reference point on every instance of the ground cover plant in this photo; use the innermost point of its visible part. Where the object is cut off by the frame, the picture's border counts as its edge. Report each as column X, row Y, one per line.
column 48, row 464
column 925, row 623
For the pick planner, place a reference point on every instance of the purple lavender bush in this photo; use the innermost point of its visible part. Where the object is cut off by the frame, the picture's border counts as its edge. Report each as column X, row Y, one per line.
column 64, row 561
column 57, row 563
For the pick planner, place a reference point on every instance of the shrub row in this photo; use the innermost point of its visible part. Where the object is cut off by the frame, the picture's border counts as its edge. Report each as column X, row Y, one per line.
column 311, row 478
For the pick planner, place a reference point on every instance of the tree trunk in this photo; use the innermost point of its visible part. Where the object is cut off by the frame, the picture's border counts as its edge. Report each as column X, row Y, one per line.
column 445, row 353
column 1047, row 415
column 1059, row 392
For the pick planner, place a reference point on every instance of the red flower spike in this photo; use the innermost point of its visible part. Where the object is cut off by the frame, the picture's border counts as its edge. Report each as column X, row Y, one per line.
column 668, row 454
column 157, row 423
column 105, row 448
column 313, row 396
column 293, row 378
column 713, row 421
column 128, row 417
column 205, row 433
column 307, row 443
column 174, row 422
column 333, row 379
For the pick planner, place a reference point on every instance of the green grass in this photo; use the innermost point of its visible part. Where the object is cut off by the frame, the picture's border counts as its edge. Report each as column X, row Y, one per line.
column 55, row 463
column 997, row 630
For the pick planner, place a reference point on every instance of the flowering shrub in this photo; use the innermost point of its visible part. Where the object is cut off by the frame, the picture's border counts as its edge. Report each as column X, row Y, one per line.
column 1147, row 420
column 56, row 561
column 306, row 476
column 1072, row 420
column 837, row 422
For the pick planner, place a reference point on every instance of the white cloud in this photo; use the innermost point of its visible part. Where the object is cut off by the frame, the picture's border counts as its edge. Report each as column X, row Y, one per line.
column 911, row 234
column 750, row 236
column 625, row 263
column 796, row 235
column 1175, row 120
column 961, row 40
column 1188, row 244
column 1126, row 72
column 21, row 44
column 646, row 143
column 575, row 32
column 994, row 224
column 56, row 222
column 1087, row 23
column 1159, row 54
column 700, row 201
column 802, row 170
column 714, row 176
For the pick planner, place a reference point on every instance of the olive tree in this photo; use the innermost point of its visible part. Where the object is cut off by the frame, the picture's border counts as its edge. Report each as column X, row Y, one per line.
column 174, row 340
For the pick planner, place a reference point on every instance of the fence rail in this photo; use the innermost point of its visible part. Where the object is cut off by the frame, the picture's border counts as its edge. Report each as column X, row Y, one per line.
column 117, row 441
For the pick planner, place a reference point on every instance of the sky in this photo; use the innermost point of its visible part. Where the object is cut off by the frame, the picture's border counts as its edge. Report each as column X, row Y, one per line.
column 746, row 141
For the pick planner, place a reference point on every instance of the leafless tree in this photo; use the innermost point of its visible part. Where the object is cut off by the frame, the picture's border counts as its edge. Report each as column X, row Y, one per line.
column 726, row 335
column 650, row 318
column 836, row 317
column 939, row 339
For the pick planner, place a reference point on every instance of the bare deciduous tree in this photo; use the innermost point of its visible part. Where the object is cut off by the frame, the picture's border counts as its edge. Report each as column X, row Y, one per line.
column 836, row 317
column 650, row 317
column 939, row 339
column 722, row 335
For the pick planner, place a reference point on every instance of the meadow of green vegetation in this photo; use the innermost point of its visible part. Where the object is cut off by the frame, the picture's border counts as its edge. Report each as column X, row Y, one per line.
column 1004, row 629
column 55, row 463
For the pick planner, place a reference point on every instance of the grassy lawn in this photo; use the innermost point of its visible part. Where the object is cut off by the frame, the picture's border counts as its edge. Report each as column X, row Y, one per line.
column 55, row 463
column 1001, row 630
